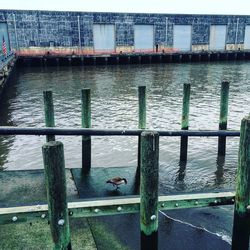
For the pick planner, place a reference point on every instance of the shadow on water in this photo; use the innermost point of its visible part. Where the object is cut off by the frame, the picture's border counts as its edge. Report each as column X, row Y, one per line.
column 8, row 95
column 219, row 173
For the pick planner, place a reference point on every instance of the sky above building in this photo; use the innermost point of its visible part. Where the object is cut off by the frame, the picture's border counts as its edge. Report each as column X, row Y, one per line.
column 239, row 7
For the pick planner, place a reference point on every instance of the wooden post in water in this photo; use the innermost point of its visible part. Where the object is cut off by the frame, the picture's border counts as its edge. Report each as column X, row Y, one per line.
column 49, row 112
column 241, row 225
column 142, row 124
column 53, row 158
column 185, row 123
column 142, row 106
column 86, row 123
column 223, row 119
column 149, row 190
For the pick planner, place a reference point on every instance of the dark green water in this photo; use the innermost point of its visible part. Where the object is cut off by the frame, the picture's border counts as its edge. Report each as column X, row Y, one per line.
column 114, row 105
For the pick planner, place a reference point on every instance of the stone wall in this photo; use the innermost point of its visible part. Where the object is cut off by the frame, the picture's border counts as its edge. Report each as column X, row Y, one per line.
column 40, row 30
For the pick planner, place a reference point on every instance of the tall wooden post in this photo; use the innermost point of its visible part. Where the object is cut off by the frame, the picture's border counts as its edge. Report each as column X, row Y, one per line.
column 54, row 166
column 149, row 190
column 185, row 123
column 86, row 123
column 49, row 112
column 241, row 225
column 223, row 118
column 142, row 118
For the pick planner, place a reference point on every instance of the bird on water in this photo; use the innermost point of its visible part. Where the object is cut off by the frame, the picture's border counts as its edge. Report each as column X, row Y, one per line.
column 117, row 181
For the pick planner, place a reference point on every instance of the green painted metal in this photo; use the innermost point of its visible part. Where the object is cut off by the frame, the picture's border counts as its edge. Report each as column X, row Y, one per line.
column 149, row 190
column 49, row 112
column 100, row 207
column 86, row 123
column 223, row 117
column 185, row 123
column 241, row 225
column 53, row 157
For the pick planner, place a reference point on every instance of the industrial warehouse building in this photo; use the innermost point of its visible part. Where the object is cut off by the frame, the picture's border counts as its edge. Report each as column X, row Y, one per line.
column 83, row 32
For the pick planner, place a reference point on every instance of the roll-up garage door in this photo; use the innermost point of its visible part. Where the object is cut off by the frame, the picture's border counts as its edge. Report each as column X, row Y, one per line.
column 182, row 37
column 247, row 37
column 144, row 37
column 104, row 37
column 4, row 35
column 218, row 37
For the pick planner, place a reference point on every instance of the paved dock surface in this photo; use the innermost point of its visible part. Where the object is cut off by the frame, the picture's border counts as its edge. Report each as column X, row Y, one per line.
column 178, row 229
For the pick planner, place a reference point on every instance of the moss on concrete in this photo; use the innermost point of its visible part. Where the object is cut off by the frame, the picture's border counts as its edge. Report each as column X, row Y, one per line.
column 28, row 187
column 37, row 236
column 105, row 239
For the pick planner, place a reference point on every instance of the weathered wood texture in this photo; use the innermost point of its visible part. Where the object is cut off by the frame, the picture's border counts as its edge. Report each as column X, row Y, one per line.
column 185, row 123
column 53, row 157
column 241, row 225
column 49, row 112
column 86, row 123
column 142, row 107
column 141, row 123
column 223, row 118
column 149, row 190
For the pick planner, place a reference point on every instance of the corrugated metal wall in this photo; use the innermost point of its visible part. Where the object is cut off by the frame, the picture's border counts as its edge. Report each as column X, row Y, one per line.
column 104, row 37
column 144, row 37
column 182, row 37
column 247, row 37
column 218, row 37
column 4, row 33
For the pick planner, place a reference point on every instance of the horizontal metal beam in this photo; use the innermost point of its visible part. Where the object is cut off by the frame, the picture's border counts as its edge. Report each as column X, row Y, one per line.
column 93, row 208
column 110, row 132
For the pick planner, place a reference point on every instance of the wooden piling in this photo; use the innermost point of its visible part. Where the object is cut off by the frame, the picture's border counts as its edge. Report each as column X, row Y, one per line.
column 142, row 106
column 86, row 123
column 142, row 120
column 223, row 118
column 49, row 112
column 54, row 166
column 149, row 190
column 185, row 123
column 241, row 225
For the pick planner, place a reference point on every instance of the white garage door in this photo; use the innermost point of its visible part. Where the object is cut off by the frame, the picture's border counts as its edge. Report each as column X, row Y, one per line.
column 247, row 37
column 144, row 37
column 104, row 37
column 182, row 37
column 218, row 37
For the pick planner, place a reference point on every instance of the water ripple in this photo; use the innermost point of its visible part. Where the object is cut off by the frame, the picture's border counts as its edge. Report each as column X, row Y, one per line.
column 115, row 105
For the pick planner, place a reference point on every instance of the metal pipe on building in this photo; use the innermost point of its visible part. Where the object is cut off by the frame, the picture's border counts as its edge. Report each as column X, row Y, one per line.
column 79, row 33
column 14, row 20
column 237, row 27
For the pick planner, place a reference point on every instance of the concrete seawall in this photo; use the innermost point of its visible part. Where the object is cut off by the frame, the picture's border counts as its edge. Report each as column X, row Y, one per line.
column 129, row 58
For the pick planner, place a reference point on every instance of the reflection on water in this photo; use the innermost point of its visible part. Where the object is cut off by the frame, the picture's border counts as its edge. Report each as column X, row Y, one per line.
column 6, row 142
column 114, row 105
